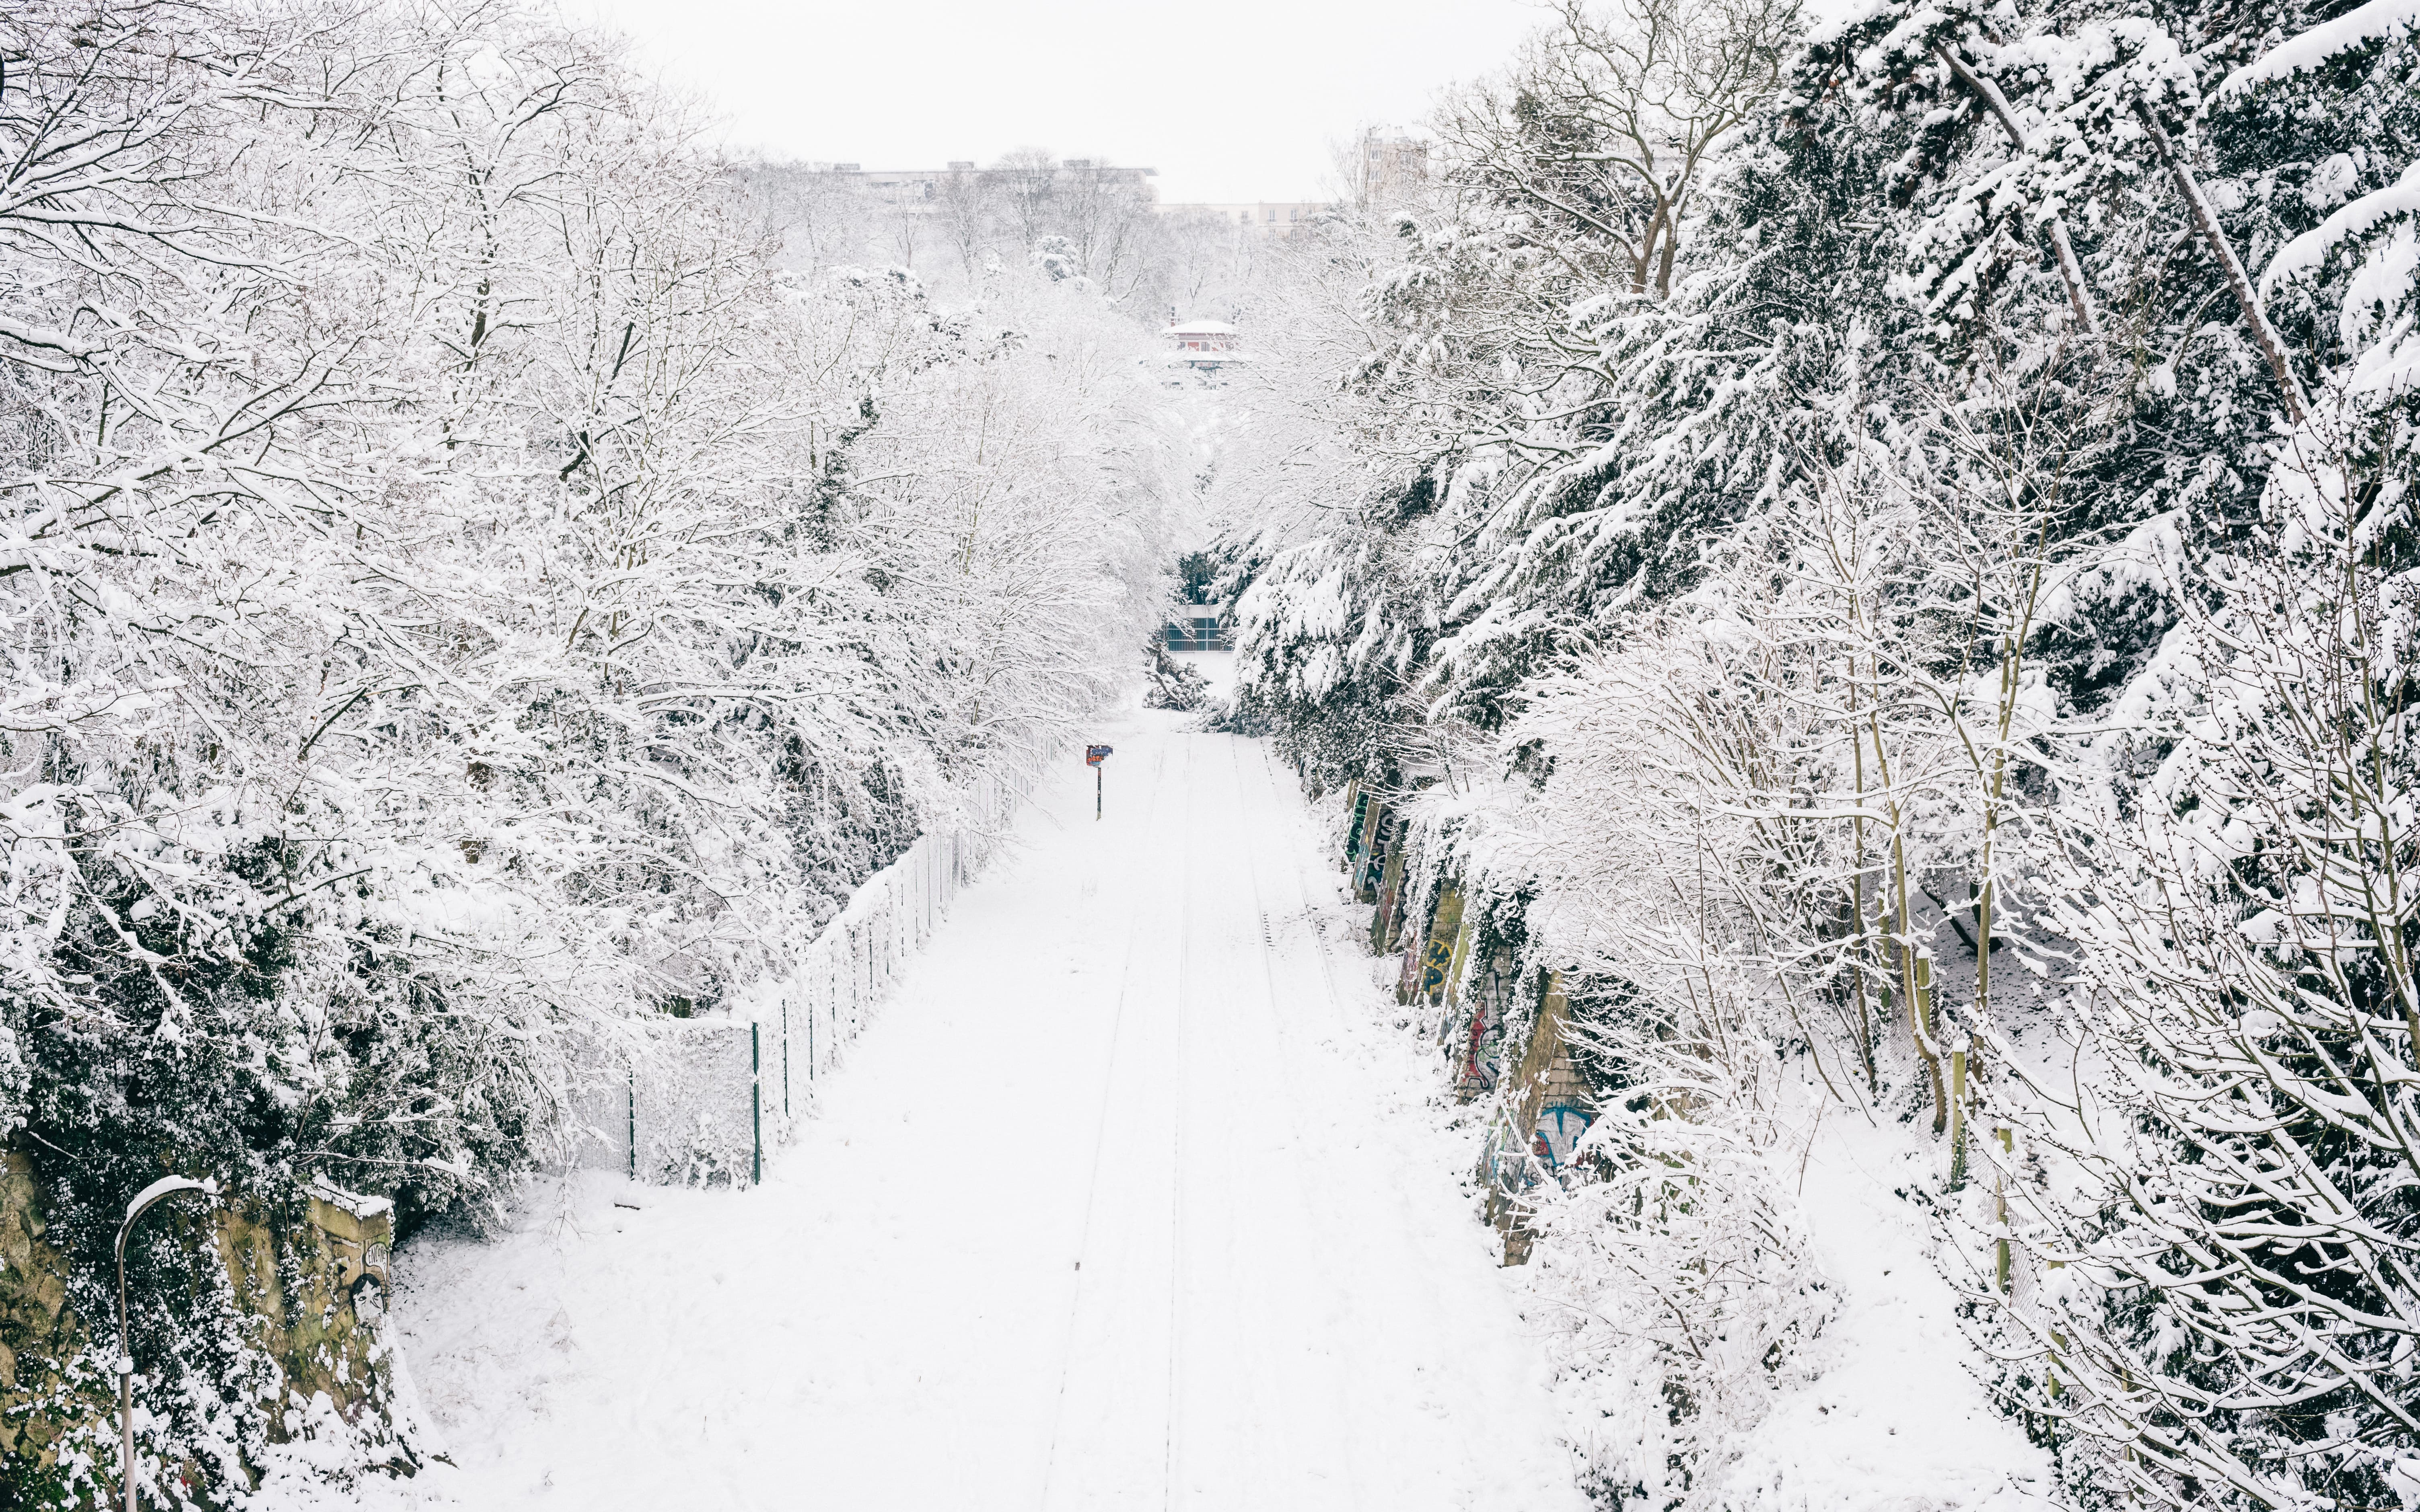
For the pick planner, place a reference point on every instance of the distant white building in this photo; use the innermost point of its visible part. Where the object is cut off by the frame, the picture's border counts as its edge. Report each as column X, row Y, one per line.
column 1204, row 346
column 1390, row 166
column 1264, row 219
column 1201, row 336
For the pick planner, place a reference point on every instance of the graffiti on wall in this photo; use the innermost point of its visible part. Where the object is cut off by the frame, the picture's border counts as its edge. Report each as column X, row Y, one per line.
column 1514, row 1165
column 1435, row 958
column 1429, row 956
column 1488, row 990
column 1557, row 1134
column 1482, row 1054
column 1374, row 858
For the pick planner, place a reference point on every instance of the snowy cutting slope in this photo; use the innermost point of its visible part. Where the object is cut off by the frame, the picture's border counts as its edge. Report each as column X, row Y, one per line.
column 1133, row 1197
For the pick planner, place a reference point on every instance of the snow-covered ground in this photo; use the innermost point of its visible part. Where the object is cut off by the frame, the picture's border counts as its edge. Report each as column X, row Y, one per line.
column 1133, row 1196
column 1893, row 1421
column 1137, row 1193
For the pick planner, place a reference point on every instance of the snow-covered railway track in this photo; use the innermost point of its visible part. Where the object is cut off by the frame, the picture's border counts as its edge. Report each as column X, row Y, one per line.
column 1130, row 1201
column 1136, row 859
column 1172, row 1438
column 1314, row 1221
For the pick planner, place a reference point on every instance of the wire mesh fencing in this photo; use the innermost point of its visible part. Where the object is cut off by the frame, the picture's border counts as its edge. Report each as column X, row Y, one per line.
column 704, row 1101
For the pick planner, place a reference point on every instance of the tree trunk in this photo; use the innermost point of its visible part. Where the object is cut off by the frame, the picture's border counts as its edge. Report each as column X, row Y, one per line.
column 2214, row 237
column 2071, row 272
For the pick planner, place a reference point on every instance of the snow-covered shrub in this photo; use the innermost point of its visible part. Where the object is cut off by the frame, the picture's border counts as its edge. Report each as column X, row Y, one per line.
column 1669, row 844
column 1673, row 1278
column 460, row 599
column 1173, row 684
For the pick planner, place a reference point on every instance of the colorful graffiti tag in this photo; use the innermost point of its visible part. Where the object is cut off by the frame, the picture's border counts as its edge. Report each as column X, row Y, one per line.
column 1443, row 949
column 1434, row 960
column 1372, row 865
column 1515, row 1168
column 1557, row 1134
column 1483, row 1056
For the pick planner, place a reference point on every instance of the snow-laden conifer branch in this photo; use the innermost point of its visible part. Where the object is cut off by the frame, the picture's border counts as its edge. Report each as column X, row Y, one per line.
column 1949, row 644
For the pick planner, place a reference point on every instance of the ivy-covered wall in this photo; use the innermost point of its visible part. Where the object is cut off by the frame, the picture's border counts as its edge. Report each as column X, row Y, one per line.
column 42, row 1396
column 307, row 1294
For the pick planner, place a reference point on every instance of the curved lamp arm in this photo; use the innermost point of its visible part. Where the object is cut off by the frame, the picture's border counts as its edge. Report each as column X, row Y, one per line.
column 167, row 1186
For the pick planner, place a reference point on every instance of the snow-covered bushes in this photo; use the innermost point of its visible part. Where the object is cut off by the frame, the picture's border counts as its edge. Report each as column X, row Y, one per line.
column 1945, row 638
column 456, row 596
column 1173, row 684
column 1673, row 1273
column 1674, row 1285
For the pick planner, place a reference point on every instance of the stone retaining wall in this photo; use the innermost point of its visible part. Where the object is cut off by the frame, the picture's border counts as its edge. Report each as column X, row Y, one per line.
column 311, row 1295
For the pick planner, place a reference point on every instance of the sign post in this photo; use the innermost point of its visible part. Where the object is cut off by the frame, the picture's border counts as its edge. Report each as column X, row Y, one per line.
column 1094, row 757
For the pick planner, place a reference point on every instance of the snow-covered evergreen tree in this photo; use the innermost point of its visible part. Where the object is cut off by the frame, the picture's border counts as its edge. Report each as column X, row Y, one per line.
column 1939, row 622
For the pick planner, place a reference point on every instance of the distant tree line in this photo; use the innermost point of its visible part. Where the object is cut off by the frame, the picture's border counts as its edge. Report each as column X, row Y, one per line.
column 1075, row 218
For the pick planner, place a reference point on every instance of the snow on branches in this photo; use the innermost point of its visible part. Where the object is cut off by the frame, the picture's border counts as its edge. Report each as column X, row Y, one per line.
column 1945, row 640
column 457, row 595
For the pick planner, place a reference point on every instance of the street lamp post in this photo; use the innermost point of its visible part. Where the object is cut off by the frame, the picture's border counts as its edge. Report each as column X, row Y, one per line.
column 167, row 1186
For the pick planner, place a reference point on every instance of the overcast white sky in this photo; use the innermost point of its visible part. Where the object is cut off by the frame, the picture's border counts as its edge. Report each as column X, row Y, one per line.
column 1236, row 101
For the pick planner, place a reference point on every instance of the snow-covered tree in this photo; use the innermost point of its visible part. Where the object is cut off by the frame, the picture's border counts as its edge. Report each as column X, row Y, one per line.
column 462, row 598
column 1944, row 635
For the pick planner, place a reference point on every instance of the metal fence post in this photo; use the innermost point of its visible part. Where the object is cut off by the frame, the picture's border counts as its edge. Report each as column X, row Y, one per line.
column 865, row 947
